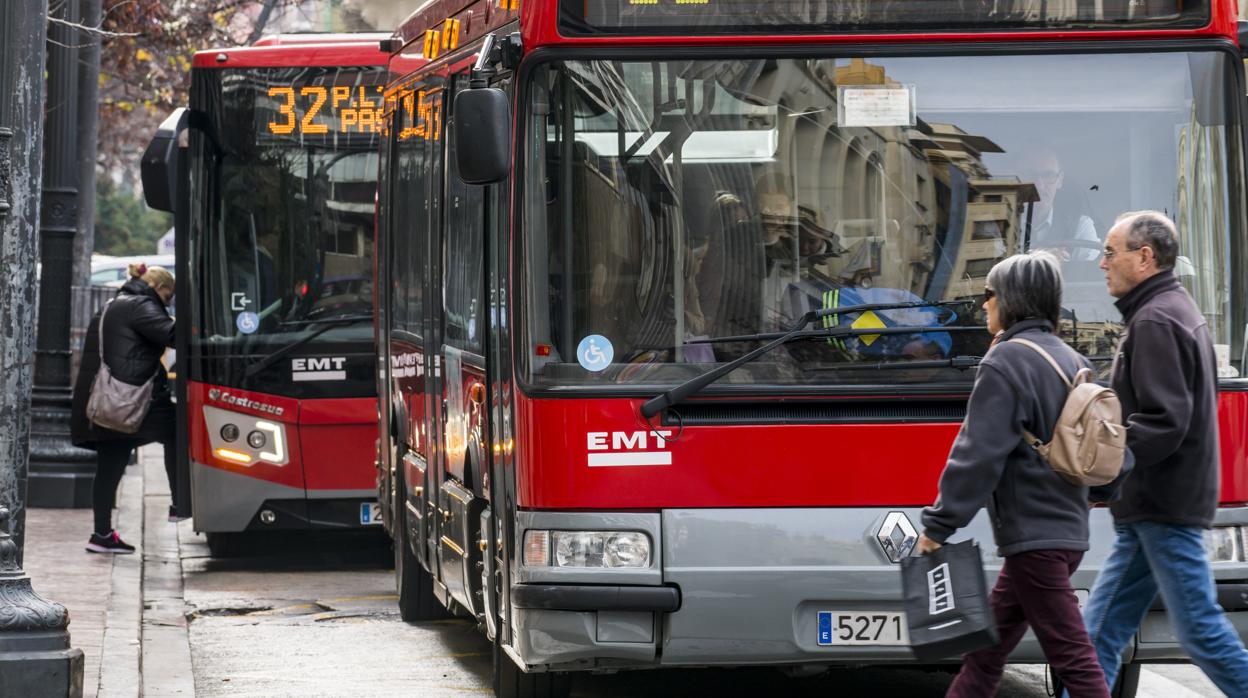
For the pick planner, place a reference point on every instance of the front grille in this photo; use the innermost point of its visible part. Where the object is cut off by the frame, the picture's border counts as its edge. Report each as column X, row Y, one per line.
column 831, row 412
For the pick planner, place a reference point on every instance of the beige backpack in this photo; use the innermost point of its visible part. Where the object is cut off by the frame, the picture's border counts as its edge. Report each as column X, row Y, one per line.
column 1089, row 440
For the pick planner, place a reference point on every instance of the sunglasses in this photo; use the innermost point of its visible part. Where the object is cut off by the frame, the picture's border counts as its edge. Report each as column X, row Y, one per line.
column 989, row 294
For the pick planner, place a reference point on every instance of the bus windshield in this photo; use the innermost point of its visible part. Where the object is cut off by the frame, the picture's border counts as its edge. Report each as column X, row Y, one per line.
column 671, row 206
column 282, row 241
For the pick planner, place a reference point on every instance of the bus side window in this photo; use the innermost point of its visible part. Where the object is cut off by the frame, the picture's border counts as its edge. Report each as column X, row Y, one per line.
column 463, row 258
column 410, row 225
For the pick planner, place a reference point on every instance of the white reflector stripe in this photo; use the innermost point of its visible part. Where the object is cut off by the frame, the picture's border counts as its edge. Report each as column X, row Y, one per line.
column 318, row 376
column 598, row 460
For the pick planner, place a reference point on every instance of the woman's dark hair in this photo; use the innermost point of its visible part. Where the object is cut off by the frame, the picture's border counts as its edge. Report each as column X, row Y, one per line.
column 1028, row 287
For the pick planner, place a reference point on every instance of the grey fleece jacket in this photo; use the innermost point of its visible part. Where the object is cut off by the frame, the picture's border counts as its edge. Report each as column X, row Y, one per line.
column 1031, row 507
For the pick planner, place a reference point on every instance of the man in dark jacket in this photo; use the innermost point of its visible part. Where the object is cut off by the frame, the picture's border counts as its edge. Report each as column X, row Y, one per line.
column 1165, row 375
column 137, row 329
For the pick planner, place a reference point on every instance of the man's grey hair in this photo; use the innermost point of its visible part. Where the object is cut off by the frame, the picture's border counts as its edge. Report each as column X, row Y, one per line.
column 1155, row 229
column 1028, row 287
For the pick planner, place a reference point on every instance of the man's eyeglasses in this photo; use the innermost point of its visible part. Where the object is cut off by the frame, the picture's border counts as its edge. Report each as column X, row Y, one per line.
column 1110, row 252
column 989, row 294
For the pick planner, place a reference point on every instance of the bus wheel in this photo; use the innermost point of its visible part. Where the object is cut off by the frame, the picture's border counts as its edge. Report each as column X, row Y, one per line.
column 222, row 544
column 511, row 682
column 414, row 585
column 1127, row 685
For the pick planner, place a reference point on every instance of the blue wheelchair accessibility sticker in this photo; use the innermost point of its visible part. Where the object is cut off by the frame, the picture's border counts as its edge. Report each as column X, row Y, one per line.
column 595, row 353
column 247, row 322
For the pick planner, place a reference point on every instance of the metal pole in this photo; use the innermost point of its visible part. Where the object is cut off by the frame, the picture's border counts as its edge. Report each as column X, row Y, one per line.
column 88, row 119
column 35, row 656
column 60, row 474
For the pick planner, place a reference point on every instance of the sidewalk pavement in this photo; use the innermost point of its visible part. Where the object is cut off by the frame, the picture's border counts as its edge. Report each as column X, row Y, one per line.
column 129, row 652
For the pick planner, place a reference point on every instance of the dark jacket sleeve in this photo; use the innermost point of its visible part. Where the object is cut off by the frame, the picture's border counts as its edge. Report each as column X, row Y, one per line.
column 1163, row 408
column 992, row 429
column 1104, row 494
column 153, row 323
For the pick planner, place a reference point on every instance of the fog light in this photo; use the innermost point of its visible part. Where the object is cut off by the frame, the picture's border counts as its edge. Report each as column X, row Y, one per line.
column 256, row 440
column 1222, row 544
column 229, row 432
column 267, row 516
column 536, row 548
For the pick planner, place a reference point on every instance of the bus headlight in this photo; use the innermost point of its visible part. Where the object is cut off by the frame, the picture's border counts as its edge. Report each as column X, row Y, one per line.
column 607, row 549
column 1222, row 544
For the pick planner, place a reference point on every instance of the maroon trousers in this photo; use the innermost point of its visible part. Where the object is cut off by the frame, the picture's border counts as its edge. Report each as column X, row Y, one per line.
column 1034, row 590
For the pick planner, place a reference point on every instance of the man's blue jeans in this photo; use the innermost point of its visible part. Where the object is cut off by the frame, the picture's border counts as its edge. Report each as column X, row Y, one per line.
column 1151, row 557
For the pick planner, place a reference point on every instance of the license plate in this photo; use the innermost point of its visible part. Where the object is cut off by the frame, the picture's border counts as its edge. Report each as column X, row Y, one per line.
column 839, row 628
column 370, row 513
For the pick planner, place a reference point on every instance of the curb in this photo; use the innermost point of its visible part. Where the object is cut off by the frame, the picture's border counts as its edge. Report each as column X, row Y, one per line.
column 121, row 655
column 166, row 647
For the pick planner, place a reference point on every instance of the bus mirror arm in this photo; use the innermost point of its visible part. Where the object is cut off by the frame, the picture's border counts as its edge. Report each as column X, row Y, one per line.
column 1242, row 30
column 483, row 69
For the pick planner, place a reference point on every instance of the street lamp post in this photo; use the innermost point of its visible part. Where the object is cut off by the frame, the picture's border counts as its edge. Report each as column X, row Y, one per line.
column 60, row 474
column 35, row 656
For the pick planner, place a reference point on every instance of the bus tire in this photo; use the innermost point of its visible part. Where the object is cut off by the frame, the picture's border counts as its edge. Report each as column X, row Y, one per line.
column 511, row 682
column 1126, row 686
column 414, row 585
column 225, row 544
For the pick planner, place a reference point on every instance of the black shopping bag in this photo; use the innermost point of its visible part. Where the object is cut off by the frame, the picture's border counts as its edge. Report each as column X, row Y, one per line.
column 946, row 602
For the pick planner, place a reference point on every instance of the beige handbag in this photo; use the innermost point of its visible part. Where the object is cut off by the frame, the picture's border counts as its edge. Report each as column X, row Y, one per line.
column 113, row 403
column 1089, row 441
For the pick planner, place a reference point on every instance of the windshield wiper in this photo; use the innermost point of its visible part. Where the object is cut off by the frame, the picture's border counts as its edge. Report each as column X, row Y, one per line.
column 959, row 362
column 326, row 325
column 662, row 401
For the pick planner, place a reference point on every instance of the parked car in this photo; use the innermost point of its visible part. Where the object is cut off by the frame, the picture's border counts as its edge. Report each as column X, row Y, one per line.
column 113, row 271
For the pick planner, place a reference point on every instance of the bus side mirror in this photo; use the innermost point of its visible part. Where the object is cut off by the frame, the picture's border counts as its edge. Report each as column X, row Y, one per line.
column 159, row 167
column 482, row 132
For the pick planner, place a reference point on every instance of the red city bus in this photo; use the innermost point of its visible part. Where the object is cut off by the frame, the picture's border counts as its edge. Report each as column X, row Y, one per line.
column 274, row 200
column 679, row 303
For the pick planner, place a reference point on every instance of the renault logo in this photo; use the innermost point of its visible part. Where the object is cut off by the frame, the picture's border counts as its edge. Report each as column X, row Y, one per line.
column 897, row 536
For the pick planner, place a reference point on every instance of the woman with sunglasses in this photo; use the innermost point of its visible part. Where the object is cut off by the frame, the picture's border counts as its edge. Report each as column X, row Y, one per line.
column 1039, row 520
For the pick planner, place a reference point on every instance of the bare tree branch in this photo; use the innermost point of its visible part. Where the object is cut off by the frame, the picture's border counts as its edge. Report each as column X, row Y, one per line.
column 97, row 31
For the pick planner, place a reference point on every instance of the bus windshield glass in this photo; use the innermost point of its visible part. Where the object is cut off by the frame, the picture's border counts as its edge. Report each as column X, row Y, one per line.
column 282, row 236
column 672, row 206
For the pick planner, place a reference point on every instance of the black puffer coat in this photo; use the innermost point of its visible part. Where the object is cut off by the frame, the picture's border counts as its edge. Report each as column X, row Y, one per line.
column 136, row 332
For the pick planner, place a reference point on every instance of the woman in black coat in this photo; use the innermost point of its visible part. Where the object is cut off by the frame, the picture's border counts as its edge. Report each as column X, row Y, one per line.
column 137, row 330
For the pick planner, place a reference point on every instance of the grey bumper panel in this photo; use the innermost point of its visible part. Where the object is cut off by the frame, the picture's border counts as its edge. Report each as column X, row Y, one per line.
column 560, row 597
column 1231, row 597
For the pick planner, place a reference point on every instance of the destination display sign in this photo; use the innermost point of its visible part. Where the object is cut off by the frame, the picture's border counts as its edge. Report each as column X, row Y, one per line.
column 321, row 104
column 830, row 16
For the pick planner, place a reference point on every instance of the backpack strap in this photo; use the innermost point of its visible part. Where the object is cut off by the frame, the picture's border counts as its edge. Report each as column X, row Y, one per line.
column 1031, row 439
column 1047, row 357
column 99, row 333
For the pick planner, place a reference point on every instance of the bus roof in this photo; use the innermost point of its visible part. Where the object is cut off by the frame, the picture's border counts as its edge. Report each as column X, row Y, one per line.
column 303, row 50
column 320, row 38
column 539, row 26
